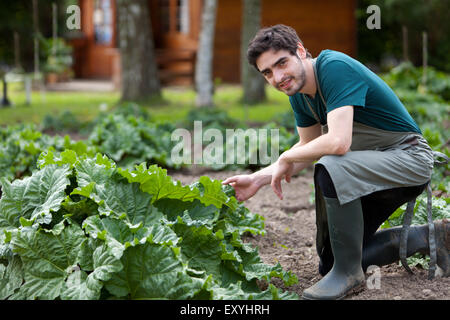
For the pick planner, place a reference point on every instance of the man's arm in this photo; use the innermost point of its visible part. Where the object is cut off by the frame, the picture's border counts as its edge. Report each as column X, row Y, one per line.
column 336, row 141
column 246, row 185
column 307, row 134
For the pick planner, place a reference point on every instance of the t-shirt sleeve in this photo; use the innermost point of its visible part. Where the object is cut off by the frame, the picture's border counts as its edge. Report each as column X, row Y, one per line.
column 342, row 86
column 302, row 119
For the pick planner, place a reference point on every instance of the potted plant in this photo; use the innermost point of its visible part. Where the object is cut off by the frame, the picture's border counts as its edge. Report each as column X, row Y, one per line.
column 58, row 60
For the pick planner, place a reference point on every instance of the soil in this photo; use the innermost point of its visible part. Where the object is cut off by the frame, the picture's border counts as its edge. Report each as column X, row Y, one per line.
column 290, row 240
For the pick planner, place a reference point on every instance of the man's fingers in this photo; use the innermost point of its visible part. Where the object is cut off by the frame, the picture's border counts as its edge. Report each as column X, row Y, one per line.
column 276, row 186
column 229, row 180
column 288, row 178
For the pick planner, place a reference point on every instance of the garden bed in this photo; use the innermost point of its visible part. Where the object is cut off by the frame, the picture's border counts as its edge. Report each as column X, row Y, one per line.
column 290, row 240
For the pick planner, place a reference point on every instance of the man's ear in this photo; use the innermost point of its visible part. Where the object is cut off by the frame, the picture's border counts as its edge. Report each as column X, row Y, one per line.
column 301, row 52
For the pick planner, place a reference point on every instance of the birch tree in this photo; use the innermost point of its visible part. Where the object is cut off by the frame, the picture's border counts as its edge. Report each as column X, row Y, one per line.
column 204, row 64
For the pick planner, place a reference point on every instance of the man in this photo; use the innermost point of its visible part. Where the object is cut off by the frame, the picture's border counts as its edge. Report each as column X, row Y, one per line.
column 371, row 156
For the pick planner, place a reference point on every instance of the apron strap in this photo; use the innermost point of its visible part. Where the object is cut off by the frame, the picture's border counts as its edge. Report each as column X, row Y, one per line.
column 431, row 236
column 317, row 83
column 316, row 117
column 407, row 219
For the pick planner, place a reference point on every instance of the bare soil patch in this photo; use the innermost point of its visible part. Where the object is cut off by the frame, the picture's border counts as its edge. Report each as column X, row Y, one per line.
column 290, row 239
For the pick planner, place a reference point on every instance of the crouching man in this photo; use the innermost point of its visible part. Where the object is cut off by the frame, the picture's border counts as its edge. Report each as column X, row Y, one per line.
column 371, row 159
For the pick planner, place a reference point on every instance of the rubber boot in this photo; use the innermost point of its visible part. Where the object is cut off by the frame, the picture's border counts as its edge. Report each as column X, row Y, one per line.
column 383, row 248
column 442, row 230
column 346, row 229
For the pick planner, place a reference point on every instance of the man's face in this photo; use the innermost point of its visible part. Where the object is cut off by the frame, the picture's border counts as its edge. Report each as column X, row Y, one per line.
column 282, row 70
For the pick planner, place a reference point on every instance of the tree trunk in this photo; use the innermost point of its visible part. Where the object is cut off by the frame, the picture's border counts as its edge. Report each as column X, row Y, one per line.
column 252, row 81
column 405, row 43
column 204, row 64
column 140, row 81
column 36, row 37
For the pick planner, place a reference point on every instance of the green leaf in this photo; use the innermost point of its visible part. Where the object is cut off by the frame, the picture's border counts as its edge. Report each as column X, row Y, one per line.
column 33, row 197
column 152, row 271
column 121, row 198
column 252, row 267
column 79, row 210
column 11, row 277
column 158, row 184
column 235, row 291
column 241, row 220
column 200, row 246
column 47, row 259
column 173, row 208
column 105, row 265
column 76, row 287
column 119, row 235
column 114, row 232
column 98, row 170
column 49, row 157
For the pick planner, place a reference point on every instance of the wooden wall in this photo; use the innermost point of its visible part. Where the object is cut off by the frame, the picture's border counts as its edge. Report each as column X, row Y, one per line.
column 94, row 60
column 321, row 24
column 324, row 24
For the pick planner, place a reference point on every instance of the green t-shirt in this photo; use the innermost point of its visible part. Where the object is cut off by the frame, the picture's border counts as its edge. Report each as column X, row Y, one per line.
column 345, row 81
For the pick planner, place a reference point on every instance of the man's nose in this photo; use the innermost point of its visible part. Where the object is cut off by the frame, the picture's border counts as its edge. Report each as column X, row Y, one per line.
column 278, row 76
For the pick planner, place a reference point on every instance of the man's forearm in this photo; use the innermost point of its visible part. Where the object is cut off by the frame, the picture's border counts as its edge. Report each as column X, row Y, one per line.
column 264, row 176
column 326, row 144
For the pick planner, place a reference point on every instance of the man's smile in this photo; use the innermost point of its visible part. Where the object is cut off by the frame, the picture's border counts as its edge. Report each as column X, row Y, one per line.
column 285, row 84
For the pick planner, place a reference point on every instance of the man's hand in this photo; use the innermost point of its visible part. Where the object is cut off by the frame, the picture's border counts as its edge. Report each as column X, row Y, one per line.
column 283, row 169
column 245, row 186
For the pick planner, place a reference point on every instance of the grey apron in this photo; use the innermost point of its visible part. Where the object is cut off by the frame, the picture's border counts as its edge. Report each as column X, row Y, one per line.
column 378, row 160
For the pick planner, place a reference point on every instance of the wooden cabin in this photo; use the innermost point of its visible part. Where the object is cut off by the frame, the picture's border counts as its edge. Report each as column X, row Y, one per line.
column 325, row 24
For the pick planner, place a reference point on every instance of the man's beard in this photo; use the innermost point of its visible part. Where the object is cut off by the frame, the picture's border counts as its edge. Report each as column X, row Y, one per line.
column 298, row 82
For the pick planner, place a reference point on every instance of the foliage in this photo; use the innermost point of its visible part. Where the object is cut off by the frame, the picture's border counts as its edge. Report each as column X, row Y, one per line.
column 251, row 158
column 129, row 140
column 64, row 122
column 439, row 210
column 21, row 145
column 129, row 136
column 286, row 120
column 418, row 16
column 131, row 109
column 57, row 55
column 210, row 118
column 406, row 76
column 428, row 105
column 82, row 228
column 17, row 16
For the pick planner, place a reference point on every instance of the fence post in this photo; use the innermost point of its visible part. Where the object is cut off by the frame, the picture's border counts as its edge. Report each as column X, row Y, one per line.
column 424, row 57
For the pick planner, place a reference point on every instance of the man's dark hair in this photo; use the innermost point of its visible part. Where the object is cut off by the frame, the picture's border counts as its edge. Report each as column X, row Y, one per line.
column 278, row 37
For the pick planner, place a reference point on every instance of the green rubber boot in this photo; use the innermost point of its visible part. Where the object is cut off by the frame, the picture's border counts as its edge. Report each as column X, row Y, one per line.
column 442, row 229
column 346, row 228
column 383, row 248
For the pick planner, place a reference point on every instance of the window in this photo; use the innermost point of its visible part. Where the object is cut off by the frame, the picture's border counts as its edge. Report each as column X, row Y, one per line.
column 174, row 16
column 103, row 22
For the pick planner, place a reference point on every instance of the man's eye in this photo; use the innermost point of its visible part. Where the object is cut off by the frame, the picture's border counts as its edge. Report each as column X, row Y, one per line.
column 282, row 63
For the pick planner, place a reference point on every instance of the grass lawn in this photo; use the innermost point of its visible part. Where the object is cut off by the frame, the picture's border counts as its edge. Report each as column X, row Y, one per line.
column 178, row 102
column 85, row 105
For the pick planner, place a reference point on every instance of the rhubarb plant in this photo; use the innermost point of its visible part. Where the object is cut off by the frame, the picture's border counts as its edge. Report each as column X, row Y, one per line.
column 81, row 227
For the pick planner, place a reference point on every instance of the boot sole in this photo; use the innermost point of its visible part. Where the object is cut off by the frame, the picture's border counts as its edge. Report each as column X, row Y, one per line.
column 350, row 291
